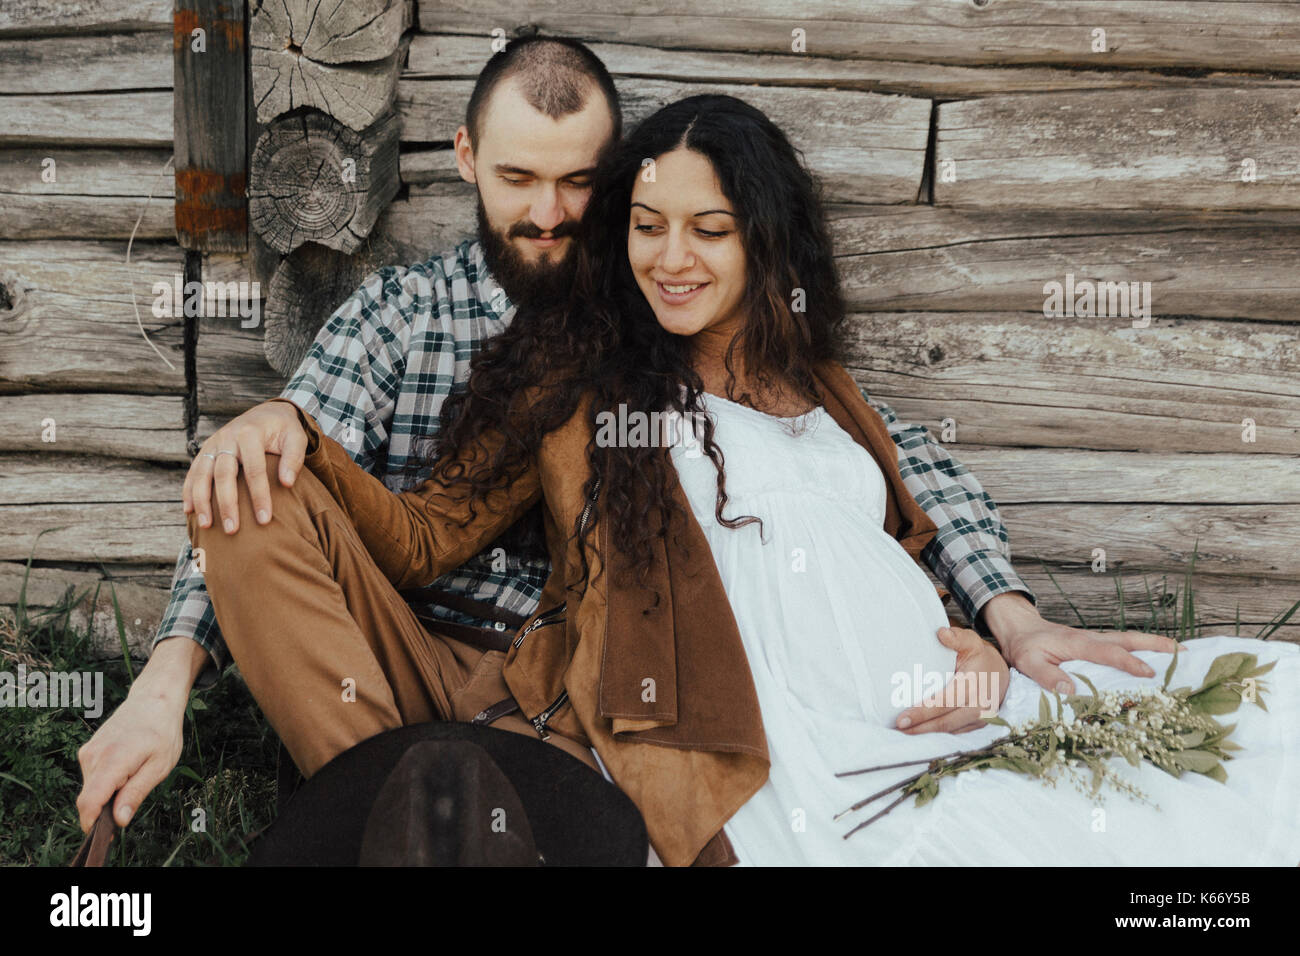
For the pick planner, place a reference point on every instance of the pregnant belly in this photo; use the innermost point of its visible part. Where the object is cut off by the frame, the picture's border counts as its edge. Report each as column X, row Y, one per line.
column 835, row 619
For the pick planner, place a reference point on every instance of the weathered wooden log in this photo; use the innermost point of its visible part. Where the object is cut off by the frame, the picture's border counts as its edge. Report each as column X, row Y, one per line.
column 919, row 257
column 342, row 59
column 65, row 309
column 328, row 32
column 1255, row 541
column 85, row 194
column 1042, row 475
column 1117, row 149
column 99, row 508
column 148, row 427
column 40, row 17
column 1242, row 35
column 429, row 219
column 420, row 167
column 232, row 373
column 87, row 119
column 211, row 150
column 863, row 146
column 316, row 180
column 463, row 56
column 82, row 64
column 311, row 283
column 1022, row 380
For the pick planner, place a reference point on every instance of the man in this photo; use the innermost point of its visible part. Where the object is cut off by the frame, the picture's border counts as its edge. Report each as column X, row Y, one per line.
column 541, row 113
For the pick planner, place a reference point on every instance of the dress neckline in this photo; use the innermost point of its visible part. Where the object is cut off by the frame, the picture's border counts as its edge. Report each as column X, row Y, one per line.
column 785, row 420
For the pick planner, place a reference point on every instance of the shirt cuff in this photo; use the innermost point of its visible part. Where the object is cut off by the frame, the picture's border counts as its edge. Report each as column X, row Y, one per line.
column 978, row 578
column 310, row 426
column 216, row 663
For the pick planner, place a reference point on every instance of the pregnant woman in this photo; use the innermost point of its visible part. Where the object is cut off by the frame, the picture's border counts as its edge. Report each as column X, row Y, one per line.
column 785, row 617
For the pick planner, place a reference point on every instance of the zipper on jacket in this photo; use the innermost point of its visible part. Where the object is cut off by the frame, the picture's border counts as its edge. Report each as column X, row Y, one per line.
column 542, row 620
column 539, row 722
column 546, row 618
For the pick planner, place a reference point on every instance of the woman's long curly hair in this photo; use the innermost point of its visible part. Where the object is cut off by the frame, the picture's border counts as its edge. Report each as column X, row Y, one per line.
column 605, row 342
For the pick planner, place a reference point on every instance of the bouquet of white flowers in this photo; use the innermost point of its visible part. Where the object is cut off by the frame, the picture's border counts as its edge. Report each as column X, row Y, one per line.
column 1173, row 729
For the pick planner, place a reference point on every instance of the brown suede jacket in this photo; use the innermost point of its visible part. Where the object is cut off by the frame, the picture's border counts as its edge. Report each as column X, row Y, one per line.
column 664, row 693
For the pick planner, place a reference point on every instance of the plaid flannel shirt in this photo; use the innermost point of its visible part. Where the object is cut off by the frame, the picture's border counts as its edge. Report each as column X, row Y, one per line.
column 379, row 370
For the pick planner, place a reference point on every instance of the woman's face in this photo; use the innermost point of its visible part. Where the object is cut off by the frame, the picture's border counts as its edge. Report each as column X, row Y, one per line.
column 683, row 245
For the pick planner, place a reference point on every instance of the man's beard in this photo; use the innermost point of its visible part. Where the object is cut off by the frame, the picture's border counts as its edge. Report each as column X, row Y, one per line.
column 530, row 285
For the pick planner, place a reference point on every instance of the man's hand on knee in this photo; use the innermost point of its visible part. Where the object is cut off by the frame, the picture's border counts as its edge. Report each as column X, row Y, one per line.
column 270, row 428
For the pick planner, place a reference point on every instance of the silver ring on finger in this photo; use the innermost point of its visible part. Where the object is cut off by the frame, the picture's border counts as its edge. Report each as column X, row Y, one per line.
column 226, row 451
column 208, row 454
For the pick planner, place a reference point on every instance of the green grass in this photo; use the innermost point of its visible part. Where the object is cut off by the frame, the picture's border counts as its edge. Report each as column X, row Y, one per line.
column 227, row 767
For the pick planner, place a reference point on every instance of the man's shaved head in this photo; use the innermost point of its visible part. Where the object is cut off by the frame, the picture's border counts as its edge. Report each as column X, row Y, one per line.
column 555, row 74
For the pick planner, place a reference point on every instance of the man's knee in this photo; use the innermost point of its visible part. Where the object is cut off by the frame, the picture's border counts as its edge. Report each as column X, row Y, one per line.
column 292, row 509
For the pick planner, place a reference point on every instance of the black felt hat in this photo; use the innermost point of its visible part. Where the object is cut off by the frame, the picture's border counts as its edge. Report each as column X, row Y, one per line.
column 455, row 794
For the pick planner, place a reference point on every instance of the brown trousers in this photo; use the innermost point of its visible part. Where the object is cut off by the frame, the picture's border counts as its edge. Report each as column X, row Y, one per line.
column 329, row 649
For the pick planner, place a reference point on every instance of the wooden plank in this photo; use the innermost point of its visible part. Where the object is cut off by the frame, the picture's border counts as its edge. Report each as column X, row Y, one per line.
column 1018, row 380
column 101, row 509
column 211, row 149
column 43, row 479
column 148, row 427
column 1116, row 149
column 1242, row 34
column 429, row 218
column 96, row 194
column 83, row 64
column 859, row 144
column 1217, row 599
column 233, row 372
column 925, row 258
column 91, row 119
column 1042, row 475
column 70, row 324
column 462, row 57
column 42, row 17
column 424, row 166
column 1254, row 541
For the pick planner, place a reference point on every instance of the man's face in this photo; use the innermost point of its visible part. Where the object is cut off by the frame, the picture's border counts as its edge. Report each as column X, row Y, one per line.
column 533, row 175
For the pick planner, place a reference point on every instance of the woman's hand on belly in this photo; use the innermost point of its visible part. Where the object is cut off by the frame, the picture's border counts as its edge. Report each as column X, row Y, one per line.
column 977, row 689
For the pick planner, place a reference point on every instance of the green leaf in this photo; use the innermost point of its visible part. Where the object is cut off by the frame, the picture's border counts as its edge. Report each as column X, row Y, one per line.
column 1197, row 761
column 1044, row 709
column 1091, row 686
column 1217, row 700
column 1169, row 673
column 1218, row 773
column 1226, row 667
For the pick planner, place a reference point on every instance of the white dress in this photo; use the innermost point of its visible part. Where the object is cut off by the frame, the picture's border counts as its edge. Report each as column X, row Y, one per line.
column 839, row 623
